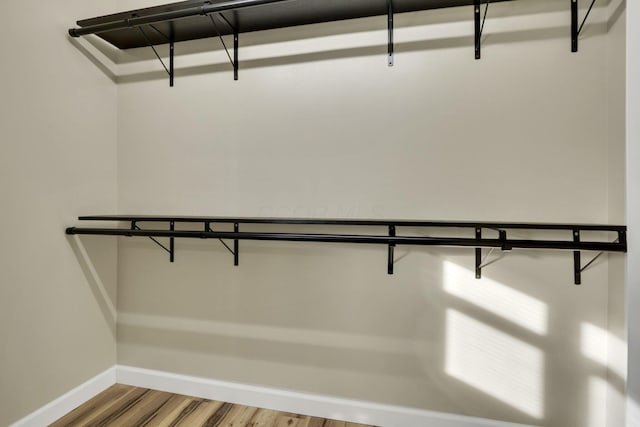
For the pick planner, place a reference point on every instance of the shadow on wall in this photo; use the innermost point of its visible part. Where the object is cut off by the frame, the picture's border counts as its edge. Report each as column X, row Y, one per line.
column 94, row 269
column 313, row 319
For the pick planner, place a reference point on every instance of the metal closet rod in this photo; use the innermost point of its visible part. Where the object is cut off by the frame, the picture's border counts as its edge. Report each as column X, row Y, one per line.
column 205, row 9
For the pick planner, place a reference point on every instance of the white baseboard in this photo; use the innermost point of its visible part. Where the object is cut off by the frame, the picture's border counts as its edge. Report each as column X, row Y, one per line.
column 250, row 395
column 300, row 403
column 69, row 401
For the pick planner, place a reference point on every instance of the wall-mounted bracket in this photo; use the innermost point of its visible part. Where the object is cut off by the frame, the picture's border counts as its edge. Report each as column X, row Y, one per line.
column 478, row 254
column 234, row 60
column 575, row 29
column 170, row 70
column 172, row 243
column 391, row 257
column 208, row 229
column 170, row 250
column 390, row 46
column 577, row 270
column 481, row 262
column 236, row 248
column 479, row 26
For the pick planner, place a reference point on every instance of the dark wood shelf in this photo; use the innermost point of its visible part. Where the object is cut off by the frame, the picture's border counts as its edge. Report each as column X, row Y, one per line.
column 247, row 19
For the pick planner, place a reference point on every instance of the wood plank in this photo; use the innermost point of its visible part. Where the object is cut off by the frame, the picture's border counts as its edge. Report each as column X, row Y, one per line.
column 315, row 422
column 170, row 411
column 288, row 420
column 141, row 413
column 200, row 412
column 238, row 415
column 263, row 418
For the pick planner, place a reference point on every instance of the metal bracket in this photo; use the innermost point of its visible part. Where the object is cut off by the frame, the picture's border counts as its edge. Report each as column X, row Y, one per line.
column 170, row 70
column 392, row 233
column 208, row 229
column 236, row 249
column 575, row 30
column 620, row 239
column 234, row 60
column 482, row 262
column 170, row 249
column 390, row 28
column 479, row 26
column 478, row 254
column 577, row 270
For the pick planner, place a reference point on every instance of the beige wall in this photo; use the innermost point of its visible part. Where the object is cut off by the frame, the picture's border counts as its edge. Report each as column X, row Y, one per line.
column 616, row 141
column 57, row 160
column 632, row 295
column 318, row 126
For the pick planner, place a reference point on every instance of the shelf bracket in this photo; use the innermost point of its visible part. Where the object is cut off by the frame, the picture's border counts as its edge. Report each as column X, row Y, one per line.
column 234, row 60
column 169, row 70
column 595, row 258
column 236, row 249
column 390, row 28
column 478, row 254
column 390, row 261
column 575, row 29
column 479, row 26
column 482, row 262
column 208, row 229
column 172, row 227
column 577, row 270
column 170, row 249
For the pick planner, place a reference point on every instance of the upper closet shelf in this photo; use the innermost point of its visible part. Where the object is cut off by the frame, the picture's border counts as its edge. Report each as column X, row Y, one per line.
column 189, row 20
column 196, row 19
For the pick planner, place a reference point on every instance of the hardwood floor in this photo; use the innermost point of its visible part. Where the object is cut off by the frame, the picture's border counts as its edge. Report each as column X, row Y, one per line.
column 128, row 406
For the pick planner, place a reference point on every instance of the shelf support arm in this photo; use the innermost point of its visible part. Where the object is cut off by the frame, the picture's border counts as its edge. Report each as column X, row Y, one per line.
column 208, row 229
column 595, row 258
column 236, row 248
column 479, row 26
column 481, row 262
column 169, row 250
column 390, row 45
column 390, row 260
column 234, row 60
column 577, row 270
column 575, row 29
column 478, row 254
column 171, row 52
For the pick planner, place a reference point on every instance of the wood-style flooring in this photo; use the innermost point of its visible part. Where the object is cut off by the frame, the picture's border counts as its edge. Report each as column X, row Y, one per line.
column 127, row 406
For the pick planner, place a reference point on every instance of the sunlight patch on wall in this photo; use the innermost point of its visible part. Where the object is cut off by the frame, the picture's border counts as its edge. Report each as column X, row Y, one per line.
column 633, row 412
column 602, row 347
column 495, row 363
column 504, row 301
column 597, row 402
column 593, row 343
